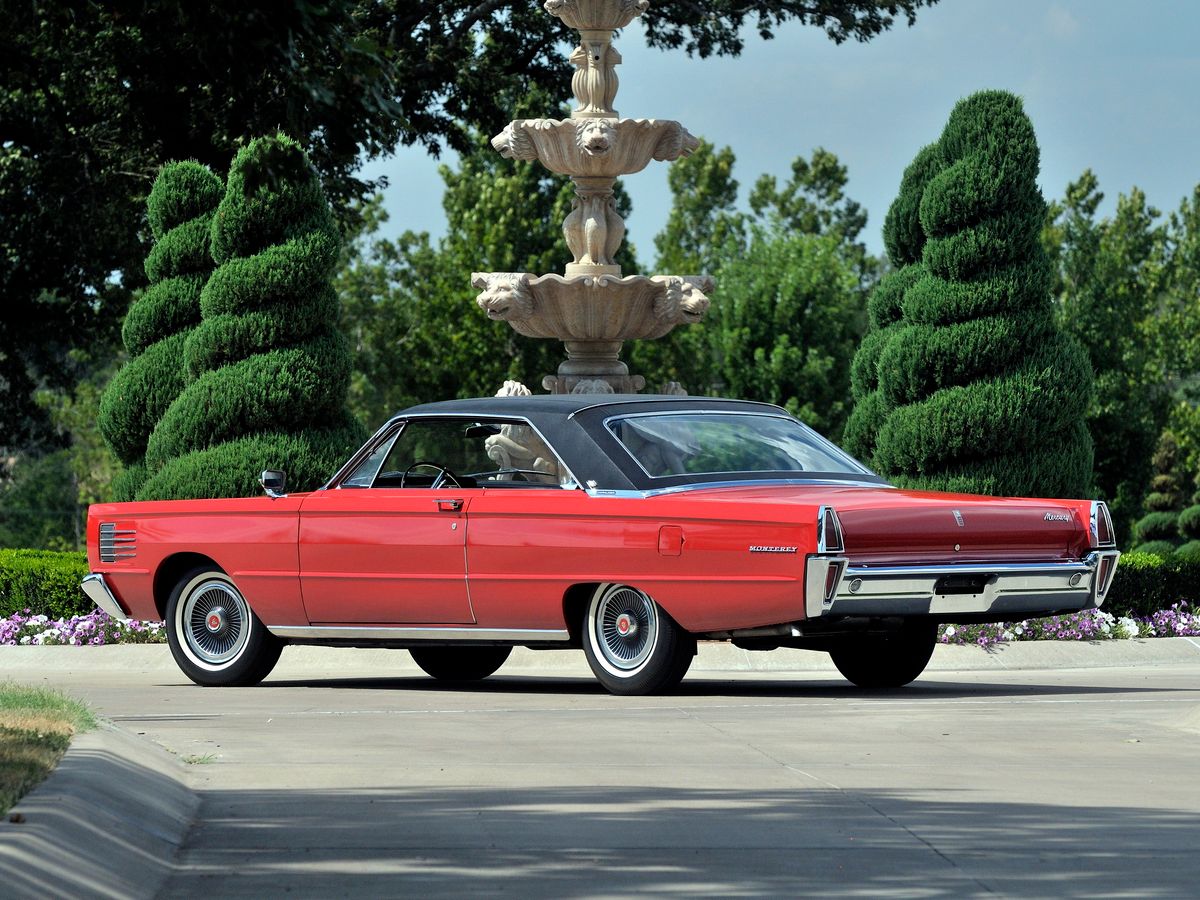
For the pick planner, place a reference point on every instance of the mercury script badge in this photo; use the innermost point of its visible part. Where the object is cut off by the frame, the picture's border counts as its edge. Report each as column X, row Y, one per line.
column 1056, row 517
column 958, row 518
column 756, row 549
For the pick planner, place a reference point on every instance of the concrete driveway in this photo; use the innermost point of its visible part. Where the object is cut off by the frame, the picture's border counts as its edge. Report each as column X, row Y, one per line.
column 350, row 774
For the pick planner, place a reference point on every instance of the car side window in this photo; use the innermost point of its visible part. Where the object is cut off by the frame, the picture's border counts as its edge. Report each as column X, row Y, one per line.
column 364, row 473
column 477, row 453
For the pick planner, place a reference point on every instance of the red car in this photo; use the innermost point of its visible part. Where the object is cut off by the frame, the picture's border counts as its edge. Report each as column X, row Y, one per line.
column 628, row 526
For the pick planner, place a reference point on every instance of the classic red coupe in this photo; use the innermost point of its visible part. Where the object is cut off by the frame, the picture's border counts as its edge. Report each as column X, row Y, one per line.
column 628, row 526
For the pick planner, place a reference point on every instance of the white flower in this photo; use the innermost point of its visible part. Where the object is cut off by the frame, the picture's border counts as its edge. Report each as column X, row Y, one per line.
column 1128, row 627
column 950, row 632
column 26, row 639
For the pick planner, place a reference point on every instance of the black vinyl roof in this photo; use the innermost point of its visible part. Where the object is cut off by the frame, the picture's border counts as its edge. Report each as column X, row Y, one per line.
column 573, row 425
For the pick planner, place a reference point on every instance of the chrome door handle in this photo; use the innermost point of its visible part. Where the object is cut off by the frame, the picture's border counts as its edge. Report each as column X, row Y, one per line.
column 453, row 505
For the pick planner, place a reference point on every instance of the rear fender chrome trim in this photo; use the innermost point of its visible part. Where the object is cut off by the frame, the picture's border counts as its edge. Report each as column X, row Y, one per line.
column 388, row 633
column 99, row 593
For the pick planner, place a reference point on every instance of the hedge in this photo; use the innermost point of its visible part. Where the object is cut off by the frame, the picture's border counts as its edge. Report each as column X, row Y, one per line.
column 1148, row 582
column 43, row 581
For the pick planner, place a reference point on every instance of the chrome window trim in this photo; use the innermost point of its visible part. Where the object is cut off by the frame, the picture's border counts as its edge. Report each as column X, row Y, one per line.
column 401, row 421
column 700, row 411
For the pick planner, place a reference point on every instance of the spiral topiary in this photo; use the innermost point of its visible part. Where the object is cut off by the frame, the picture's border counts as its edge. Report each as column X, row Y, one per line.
column 180, row 210
column 904, row 241
column 987, row 394
column 270, row 369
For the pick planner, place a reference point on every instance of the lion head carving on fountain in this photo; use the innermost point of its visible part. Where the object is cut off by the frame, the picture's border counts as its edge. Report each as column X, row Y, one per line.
column 682, row 300
column 595, row 137
column 505, row 295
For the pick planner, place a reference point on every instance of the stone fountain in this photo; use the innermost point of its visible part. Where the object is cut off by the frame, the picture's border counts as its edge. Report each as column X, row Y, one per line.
column 591, row 308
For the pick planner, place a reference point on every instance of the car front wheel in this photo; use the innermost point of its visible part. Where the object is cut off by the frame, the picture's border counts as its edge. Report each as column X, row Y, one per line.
column 459, row 663
column 888, row 661
column 631, row 644
column 215, row 637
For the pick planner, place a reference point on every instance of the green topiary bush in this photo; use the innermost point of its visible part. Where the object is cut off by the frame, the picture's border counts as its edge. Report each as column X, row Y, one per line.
column 44, row 582
column 1157, row 526
column 904, row 241
column 270, row 369
column 986, row 394
column 1189, row 523
column 1189, row 552
column 180, row 211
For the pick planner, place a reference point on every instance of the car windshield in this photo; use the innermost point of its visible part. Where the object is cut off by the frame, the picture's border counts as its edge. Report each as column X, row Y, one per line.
column 720, row 443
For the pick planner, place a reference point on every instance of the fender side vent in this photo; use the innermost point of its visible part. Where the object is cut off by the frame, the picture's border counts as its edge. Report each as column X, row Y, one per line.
column 116, row 544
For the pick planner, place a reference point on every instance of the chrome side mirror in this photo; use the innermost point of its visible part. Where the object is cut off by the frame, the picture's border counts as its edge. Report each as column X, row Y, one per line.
column 274, row 482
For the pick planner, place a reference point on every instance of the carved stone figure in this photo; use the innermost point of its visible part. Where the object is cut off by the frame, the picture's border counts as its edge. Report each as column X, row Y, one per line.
column 514, row 142
column 592, row 386
column 595, row 136
column 682, row 300
column 594, row 229
column 518, row 447
column 505, row 296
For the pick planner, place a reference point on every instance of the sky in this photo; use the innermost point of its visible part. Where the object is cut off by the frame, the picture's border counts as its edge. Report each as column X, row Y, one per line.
column 1110, row 85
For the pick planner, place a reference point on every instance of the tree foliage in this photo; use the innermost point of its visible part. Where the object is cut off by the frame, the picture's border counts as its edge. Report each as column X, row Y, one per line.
column 269, row 369
column 988, row 395
column 95, row 97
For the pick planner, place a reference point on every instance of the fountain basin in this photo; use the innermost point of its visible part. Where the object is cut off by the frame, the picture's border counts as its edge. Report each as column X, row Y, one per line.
column 594, row 147
column 604, row 308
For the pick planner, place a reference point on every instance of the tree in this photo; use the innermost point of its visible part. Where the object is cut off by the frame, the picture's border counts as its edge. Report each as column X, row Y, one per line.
column 95, row 97
column 1110, row 276
column 180, row 212
column 270, row 368
column 788, row 318
column 989, row 395
column 703, row 232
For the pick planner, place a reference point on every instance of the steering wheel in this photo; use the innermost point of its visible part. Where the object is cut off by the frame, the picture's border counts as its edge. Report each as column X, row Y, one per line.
column 443, row 474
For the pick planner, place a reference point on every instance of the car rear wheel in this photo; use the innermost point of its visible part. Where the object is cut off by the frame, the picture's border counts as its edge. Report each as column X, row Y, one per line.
column 888, row 661
column 460, row 663
column 632, row 645
column 214, row 635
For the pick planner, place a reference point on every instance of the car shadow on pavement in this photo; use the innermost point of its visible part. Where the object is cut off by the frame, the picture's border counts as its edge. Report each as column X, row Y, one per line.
column 700, row 686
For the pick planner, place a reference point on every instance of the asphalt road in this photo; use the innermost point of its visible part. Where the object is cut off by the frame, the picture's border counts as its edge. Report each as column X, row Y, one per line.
column 371, row 781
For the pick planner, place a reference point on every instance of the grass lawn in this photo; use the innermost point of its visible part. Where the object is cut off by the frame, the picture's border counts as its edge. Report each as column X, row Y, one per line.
column 36, row 725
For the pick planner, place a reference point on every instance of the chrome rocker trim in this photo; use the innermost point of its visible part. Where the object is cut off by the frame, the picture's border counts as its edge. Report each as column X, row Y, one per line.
column 449, row 633
column 1011, row 589
column 98, row 592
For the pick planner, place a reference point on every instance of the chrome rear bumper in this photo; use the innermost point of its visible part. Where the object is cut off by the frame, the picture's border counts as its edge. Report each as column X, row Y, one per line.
column 833, row 587
column 98, row 592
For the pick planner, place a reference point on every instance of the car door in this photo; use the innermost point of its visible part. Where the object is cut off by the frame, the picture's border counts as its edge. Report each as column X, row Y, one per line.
column 387, row 544
column 385, row 556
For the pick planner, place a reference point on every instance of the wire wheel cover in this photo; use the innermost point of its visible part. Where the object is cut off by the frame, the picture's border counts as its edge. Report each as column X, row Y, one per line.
column 626, row 627
column 215, row 622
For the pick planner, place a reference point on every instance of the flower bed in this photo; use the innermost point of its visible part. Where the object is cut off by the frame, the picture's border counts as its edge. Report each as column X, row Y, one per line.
column 1091, row 625
column 95, row 629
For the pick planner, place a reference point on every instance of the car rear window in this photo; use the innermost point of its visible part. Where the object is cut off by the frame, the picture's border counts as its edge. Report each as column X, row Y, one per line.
column 712, row 443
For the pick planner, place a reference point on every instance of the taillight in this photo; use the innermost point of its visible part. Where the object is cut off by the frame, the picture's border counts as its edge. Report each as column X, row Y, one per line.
column 1108, row 565
column 832, row 578
column 1101, row 525
column 829, row 531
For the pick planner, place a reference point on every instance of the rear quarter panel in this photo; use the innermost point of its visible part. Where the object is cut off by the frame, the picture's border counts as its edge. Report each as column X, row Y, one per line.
column 525, row 549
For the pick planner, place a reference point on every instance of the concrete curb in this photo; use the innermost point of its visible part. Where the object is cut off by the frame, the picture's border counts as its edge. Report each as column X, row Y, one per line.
column 154, row 659
column 108, row 822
